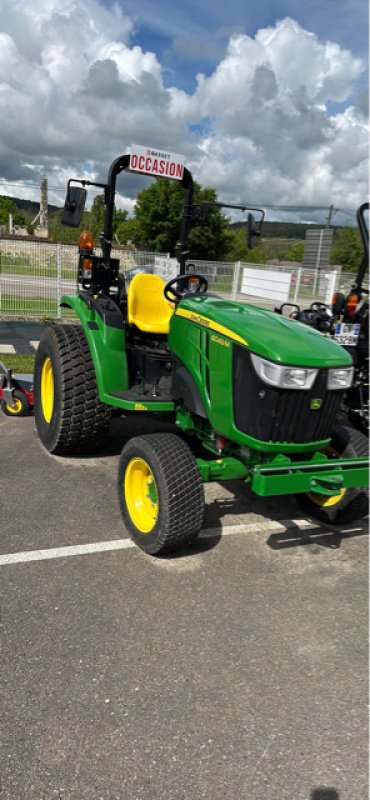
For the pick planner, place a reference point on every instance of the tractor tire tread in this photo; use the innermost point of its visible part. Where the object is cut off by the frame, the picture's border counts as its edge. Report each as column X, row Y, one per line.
column 84, row 420
column 180, row 489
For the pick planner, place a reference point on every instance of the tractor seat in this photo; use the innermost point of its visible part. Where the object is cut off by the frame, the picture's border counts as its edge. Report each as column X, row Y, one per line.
column 147, row 307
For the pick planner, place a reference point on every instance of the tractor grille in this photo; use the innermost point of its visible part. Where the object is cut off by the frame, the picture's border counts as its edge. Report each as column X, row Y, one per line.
column 281, row 415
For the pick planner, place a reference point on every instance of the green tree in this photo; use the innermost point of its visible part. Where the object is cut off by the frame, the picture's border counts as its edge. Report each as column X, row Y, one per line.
column 95, row 219
column 128, row 231
column 347, row 249
column 238, row 249
column 8, row 207
column 62, row 233
column 209, row 237
column 159, row 210
column 294, row 253
column 92, row 220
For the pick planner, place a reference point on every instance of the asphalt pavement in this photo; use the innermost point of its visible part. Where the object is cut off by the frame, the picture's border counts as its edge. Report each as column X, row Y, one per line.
column 19, row 336
column 233, row 670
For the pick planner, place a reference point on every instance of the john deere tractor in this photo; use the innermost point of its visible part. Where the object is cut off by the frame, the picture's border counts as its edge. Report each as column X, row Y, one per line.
column 259, row 391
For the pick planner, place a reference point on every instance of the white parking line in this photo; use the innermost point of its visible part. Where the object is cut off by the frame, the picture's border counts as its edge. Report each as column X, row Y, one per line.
column 35, row 344
column 125, row 544
column 62, row 552
column 7, row 348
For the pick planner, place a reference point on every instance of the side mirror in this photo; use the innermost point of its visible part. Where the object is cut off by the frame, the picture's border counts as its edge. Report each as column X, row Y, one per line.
column 74, row 206
column 253, row 229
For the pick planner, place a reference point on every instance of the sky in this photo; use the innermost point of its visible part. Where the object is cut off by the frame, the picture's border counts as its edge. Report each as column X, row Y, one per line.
column 267, row 101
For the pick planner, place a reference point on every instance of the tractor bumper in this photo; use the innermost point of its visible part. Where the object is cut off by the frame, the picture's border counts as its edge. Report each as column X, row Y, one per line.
column 323, row 478
column 282, row 476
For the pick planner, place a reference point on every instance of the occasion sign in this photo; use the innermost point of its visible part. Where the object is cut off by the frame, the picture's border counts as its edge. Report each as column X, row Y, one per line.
column 156, row 162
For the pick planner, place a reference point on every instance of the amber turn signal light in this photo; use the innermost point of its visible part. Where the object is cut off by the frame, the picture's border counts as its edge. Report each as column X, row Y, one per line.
column 351, row 304
column 86, row 241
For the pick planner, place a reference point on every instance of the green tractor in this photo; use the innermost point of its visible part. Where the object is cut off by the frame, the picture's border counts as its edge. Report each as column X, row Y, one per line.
column 260, row 392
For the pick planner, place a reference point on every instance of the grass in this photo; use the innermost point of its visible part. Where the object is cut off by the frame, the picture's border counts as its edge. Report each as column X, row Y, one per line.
column 37, row 271
column 18, row 363
column 31, row 307
column 28, row 305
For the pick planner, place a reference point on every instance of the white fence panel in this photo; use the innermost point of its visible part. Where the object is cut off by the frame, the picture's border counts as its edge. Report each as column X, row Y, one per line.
column 269, row 284
column 166, row 267
column 219, row 274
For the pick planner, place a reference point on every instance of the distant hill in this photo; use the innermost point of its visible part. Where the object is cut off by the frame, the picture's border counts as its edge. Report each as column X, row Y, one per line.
column 270, row 230
column 282, row 230
column 30, row 207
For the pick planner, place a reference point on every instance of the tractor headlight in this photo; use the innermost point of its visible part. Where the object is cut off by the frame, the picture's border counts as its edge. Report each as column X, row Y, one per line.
column 340, row 378
column 282, row 376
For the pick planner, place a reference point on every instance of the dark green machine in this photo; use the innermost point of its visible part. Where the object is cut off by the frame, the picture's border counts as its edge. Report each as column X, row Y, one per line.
column 259, row 391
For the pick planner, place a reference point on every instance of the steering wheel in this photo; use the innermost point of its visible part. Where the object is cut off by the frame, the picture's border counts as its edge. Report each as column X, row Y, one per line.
column 180, row 286
column 321, row 309
column 307, row 316
column 324, row 316
column 293, row 314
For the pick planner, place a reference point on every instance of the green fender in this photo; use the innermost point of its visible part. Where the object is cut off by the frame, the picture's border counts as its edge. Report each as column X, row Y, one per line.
column 107, row 348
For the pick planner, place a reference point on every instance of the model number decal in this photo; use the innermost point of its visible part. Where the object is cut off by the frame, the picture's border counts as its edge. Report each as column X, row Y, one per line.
column 217, row 340
column 209, row 324
column 200, row 320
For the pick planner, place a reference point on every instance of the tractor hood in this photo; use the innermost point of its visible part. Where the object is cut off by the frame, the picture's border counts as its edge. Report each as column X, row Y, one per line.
column 265, row 333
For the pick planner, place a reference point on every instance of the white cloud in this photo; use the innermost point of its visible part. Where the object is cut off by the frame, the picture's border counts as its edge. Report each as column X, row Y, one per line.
column 131, row 63
column 74, row 89
column 298, row 58
column 271, row 92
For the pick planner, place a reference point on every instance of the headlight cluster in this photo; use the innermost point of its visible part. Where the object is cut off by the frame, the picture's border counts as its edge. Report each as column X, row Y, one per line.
column 299, row 377
column 340, row 378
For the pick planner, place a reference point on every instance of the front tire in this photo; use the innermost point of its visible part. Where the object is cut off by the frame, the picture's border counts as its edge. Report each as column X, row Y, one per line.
column 161, row 492
column 69, row 416
column 350, row 504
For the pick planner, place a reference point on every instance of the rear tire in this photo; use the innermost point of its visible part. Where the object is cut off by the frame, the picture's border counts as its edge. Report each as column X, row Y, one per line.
column 21, row 407
column 351, row 504
column 161, row 492
column 68, row 413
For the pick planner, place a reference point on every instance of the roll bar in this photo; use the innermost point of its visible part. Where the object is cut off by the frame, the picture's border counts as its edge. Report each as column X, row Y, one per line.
column 364, row 233
column 75, row 203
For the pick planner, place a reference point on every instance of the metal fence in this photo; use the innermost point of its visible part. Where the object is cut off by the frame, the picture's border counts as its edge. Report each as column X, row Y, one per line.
column 242, row 281
column 35, row 274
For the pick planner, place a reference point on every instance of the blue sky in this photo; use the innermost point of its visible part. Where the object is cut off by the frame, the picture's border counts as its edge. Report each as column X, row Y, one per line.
column 191, row 36
column 267, row 101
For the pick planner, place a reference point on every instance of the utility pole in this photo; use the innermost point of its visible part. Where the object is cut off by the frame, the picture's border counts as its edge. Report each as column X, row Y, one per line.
column 44, row 206
column 330, row 216
column 42, row 215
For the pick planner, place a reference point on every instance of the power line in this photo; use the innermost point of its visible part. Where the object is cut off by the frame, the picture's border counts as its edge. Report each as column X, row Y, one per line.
column 304, row 208
column 29, row 185
column 349, row 213
column 4, row 182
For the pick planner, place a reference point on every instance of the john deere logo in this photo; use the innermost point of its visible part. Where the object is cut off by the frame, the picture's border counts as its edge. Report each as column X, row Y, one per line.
column 315, row 404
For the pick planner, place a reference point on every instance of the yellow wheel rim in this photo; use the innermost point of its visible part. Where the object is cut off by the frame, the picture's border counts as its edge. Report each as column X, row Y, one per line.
column 141, row 495
column 16, row 408
column 324, row 501
column 47, row 389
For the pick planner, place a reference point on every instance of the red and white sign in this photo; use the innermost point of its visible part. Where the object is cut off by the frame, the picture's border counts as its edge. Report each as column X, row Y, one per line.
column 149, row 161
